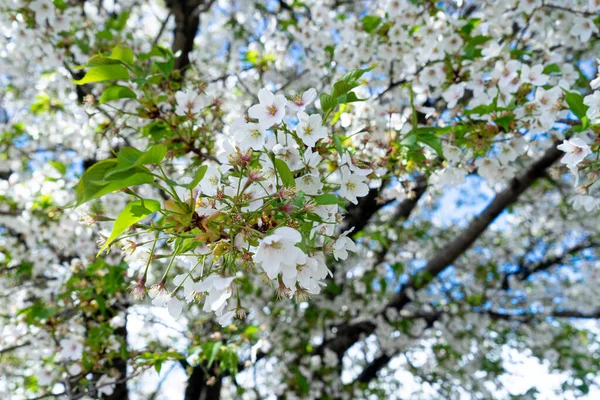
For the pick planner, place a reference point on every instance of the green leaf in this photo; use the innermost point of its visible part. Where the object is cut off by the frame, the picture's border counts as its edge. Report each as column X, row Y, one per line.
column 585, row 123
column 352, row 98
column 482, row 109
column 432, row 141
column 302, row 382
column 165, row 67
column 118, row 22
column 575, row 102
column 213, row 354
column 133, row 213
column 328, row 199
column 154, row 155
column 287, row 178
column 552, row 68
column 200, row 172
column 119, row 55
column 343, row 87
column 409, row 141
column 337, row 141
column 357, row 73
column 229, row 361
column 158, row 366
column 470, row 25
column 157, row 51
column 98, row 60
column 370, row 23
column 331, row 50
column 505, row 121
column 341, row 93
column 328, row 102
column 477, row 40
column 100, row 73
column 129, row 157
column 313, row 217
column 60, row 167
column 115, row 93
column 123, row 54
column 93, row 182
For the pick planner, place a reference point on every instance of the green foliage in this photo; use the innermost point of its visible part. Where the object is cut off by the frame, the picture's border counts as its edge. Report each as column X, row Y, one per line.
column 129, row 158
column 286, row 176
column 37, row 313
column 505, row 121
column 551, row 69
column 370, row 23
column 131, row 214
column 329, row 199
column 43, row 104
column 108, row 68
column 427, row 135
column 100, row 73
column 116, row 92
column 575, row 102
column 198, row 176
column 118, row 173
column 213, row 353
column 158, row 358
column 341, row 93
column 60, row 167
column 258, row 60
column 432, row 141
column 472, row 46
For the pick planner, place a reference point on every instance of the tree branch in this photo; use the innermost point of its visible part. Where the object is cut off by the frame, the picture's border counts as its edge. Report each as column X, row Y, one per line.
column 349, row 334
column 447, row 255
column 525, row 271
column 187, row 20
column 370, row 371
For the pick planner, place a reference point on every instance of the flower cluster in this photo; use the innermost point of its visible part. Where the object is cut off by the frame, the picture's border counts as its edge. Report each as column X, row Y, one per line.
column 222, row 172
column 268, row 202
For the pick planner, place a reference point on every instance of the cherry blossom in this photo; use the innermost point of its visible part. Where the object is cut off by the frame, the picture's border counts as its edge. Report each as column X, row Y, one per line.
column 414, row 221
column 300, row 102
column 310, row 128
column 188, row 102
column 576, row 151
column 353, row 185
column 271, row 109
column 278, row 250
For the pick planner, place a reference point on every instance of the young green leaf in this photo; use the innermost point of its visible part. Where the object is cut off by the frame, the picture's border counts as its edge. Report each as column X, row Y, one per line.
column 133, row 213
column 432, row 141
column 328, row 102
column 200, row 172
column 116, row 92
column 337, row 141
column 213, row 354
column 357, row 73
column 122, row 53
column 328, row 199
column 370, row 23
column 100, row 73
column 575, row 102
column 93, row 183
column 287, row 178
column 60, row 167
column 129, row 158
column 154, row 155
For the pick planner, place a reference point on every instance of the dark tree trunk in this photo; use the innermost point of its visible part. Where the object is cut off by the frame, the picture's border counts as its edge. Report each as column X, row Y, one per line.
column 187, row 20
column 120, row 364
column 198, row 387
